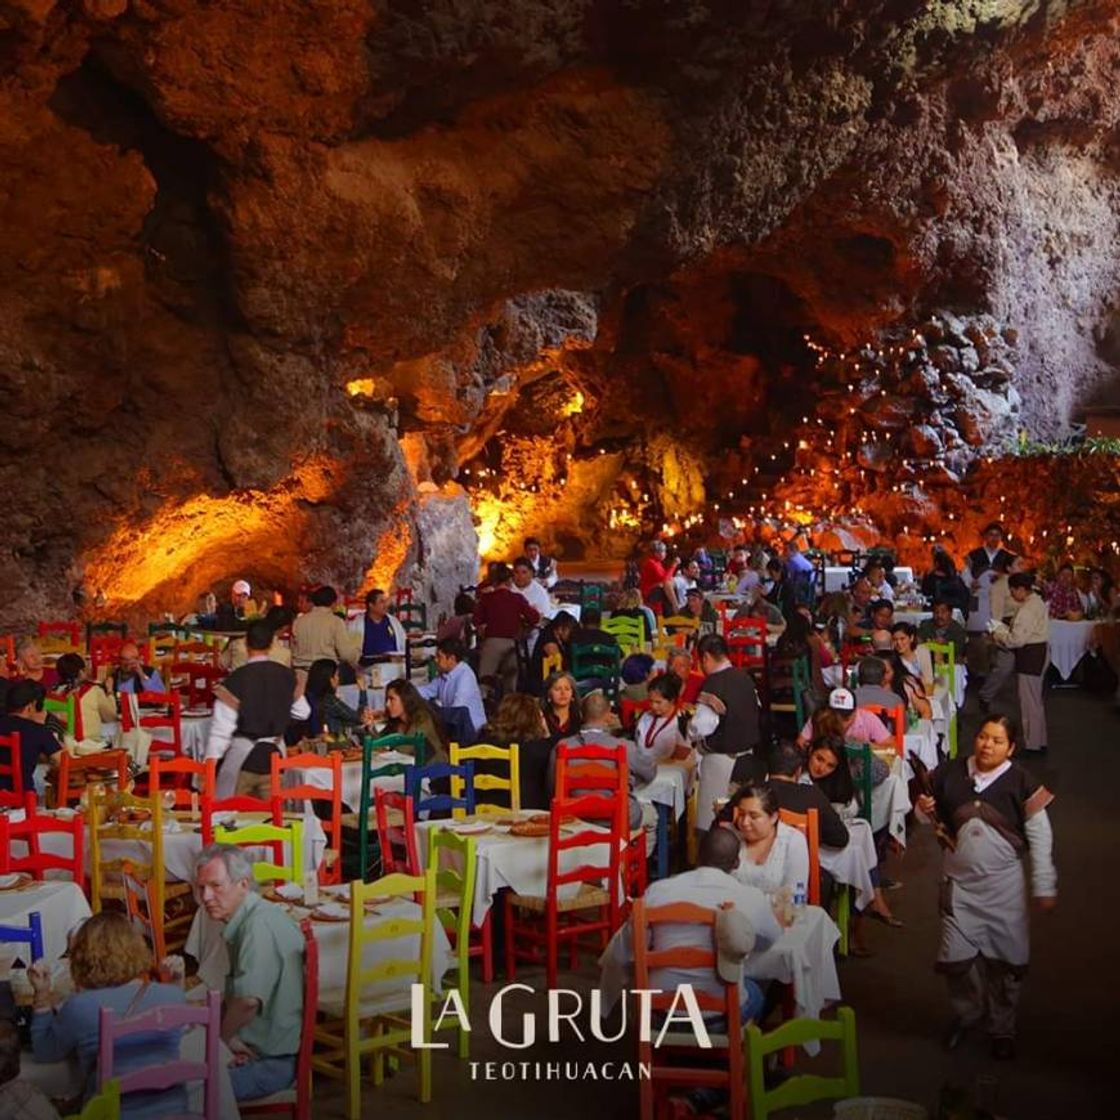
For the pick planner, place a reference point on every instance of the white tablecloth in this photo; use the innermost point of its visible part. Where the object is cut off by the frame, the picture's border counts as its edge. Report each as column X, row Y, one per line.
column 668, row 787
column 60, row 905
column 1069, row 642
column 921, row 741
column 890, row 802
column 206, row 944
column 194, row 731
column 517, row 862
column 854, row 863
column 836, row 579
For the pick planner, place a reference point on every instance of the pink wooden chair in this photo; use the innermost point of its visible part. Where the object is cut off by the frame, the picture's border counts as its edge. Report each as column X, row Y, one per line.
column 296, row 1102
column 168, row 1074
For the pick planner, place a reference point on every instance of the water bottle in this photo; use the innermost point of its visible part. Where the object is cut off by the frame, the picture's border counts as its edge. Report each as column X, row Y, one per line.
column 800, row 897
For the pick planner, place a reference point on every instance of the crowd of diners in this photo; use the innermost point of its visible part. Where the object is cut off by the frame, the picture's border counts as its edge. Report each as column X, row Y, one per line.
column 700, row 712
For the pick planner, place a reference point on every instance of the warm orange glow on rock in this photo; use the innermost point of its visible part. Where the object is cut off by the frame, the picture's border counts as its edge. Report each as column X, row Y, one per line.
column 363, row 387
column 393, row 547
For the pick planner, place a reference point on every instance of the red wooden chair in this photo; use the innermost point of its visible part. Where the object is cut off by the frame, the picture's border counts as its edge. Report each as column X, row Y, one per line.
column 165, row 1075
column 892, row 716
column 629, row 710
column 679, row 1062
column 104, row 649
column 156, row 710
column 30, row 831
column 8, row 651
column 746, row 642
column 198, row 679
column 403, row 595
column 396, row 833
column 212, row 805
column 331, row 869
column 296, row 1102
column 11, row 767
column 71, row 631
column 85, row 769
column 588, row 768
column 580, row 856
column 179, row 774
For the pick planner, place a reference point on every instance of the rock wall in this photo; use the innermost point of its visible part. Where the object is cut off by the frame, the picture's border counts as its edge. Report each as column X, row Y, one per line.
column 274, row 273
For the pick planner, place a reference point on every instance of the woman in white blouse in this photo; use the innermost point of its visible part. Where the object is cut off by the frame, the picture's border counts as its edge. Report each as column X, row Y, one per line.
column 774, row 855
column 658, row 733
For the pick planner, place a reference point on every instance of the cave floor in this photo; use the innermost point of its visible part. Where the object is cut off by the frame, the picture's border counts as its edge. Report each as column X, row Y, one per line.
column 1063, row 1049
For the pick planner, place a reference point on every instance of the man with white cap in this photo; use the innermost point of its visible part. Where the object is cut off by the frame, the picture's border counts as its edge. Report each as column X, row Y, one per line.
column 859, row 724
column 240, row 595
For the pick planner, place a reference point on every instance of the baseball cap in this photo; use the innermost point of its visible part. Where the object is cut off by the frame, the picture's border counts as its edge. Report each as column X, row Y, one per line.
column 734, row 936
column 841, row 700
column 241, row 587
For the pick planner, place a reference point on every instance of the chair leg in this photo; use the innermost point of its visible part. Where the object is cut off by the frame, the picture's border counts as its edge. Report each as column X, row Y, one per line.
column 488, row 948
column 511, row 960
column 353, row 1080
column 844, row 916
column 789, row 1011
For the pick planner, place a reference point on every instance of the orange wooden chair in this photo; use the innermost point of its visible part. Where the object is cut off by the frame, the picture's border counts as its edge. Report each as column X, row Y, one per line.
column 8, row 651
column 212, row 805
column 892, row 716
column 11, row 767
column 331, row 869
column 679, row 1062
column 589, row 768
column 141, row 903
column 591, row 860
column 76, row 772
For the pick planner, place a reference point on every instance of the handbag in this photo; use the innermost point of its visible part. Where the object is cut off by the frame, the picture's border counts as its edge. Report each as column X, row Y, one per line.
column 1030, row 660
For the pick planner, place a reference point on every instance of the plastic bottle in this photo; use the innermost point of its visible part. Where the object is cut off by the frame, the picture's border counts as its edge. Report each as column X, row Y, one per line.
column 800, row 897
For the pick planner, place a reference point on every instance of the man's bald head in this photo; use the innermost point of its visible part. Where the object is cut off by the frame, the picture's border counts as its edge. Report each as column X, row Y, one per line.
column 720, row 849
column 596, row 708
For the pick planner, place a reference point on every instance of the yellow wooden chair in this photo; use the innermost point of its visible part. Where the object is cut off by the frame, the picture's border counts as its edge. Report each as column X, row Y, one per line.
column 551, row 663
column 105, row 1105
column 628, row 631
column 378, row 995
column 254, row 835
column 169, row 903
column 512, row 784
column 454, row 904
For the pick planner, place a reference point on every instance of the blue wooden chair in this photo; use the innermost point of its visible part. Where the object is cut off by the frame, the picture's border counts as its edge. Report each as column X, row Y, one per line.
column 441, row 802
column 31, row 936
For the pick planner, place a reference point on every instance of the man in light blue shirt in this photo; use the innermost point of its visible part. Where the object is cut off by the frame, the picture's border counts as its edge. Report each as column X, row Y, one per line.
column 134, row 676
column 456, row 686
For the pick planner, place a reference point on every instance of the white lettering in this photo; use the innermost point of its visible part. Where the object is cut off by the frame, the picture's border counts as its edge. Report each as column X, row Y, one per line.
column 419, row 1019
column 645, row 1011
column 691, row 1015
column 596, row 1014
column 528, row 1023
column 554, row 1015
column 453, row 1005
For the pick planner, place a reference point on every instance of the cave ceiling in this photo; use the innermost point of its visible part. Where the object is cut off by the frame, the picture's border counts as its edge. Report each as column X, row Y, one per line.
column 291, row 288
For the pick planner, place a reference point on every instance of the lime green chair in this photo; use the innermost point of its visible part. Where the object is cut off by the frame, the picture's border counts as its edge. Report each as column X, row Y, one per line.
column 804, row 1088
column 259, row 834
column 944, row 656
column 65, row 711
column 454, row 904
column 106, row 1105
column 628, row 631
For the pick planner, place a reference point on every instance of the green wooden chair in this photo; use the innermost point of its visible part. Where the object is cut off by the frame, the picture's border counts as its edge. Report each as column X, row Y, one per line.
column 454, row 905
column 412, row 616
column 65, row 711
column 590, row 595
column 371, row 748
column 106, row 1105
column 598, row 663
column 804, row 1088
column 944, row 656
column 629, row 632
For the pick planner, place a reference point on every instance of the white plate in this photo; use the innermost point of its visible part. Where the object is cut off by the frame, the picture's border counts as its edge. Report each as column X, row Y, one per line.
column 469, row 828
column 333, row 910
column 7, row 881
column 291, row 892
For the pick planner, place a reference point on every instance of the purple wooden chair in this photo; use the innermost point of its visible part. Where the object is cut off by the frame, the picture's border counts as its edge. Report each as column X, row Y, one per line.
column 169, row 1074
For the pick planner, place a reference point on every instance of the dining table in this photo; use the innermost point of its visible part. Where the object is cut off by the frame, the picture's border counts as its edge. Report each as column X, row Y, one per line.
column 505, row 861
column 60, row 905
column 667, row 792
column 1069, row 642
column 207, row 945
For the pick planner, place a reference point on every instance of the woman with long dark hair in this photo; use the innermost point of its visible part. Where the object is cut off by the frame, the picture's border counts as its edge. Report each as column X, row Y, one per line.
column 407, row 713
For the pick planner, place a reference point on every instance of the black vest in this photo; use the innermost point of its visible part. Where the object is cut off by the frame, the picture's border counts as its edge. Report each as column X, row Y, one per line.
column 265, row 690
column 738, row 726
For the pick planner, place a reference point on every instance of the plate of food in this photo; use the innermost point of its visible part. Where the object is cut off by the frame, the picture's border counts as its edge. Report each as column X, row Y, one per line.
column 469, row 828
column 15, row 880
column 530, row 828
column 330, row 912
column 284, row 892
